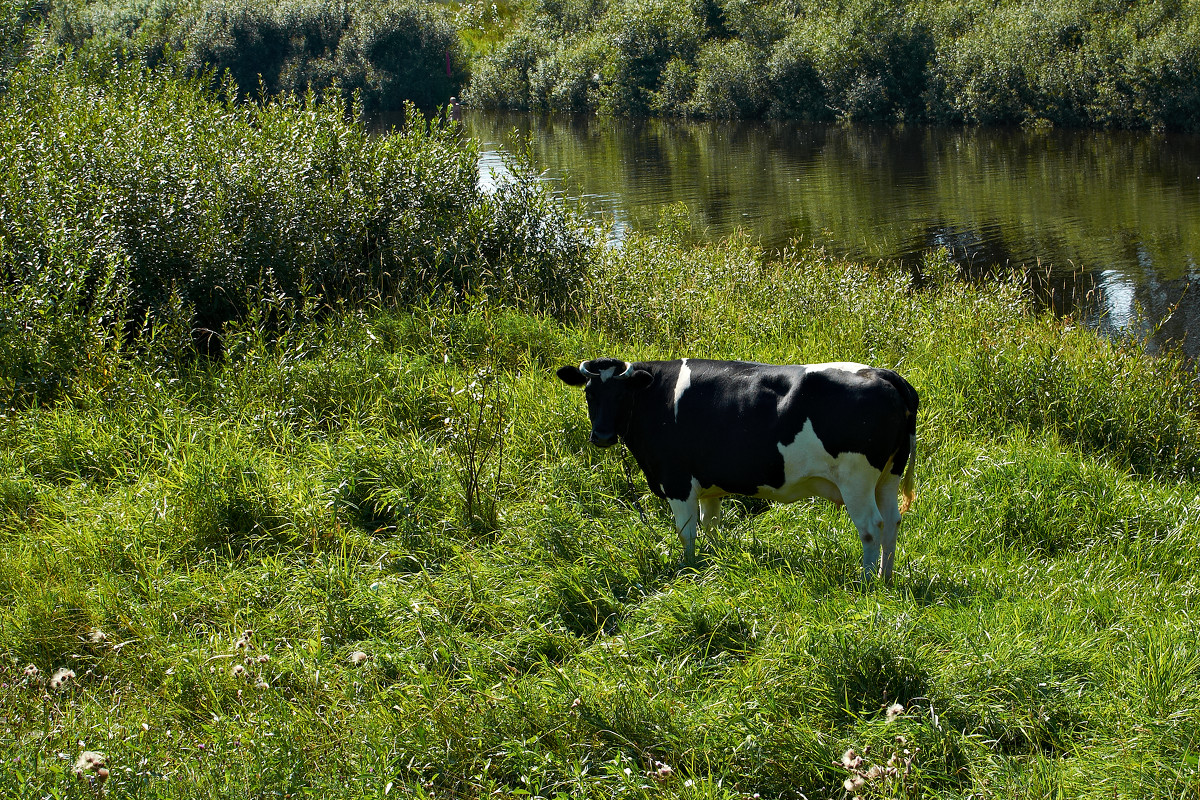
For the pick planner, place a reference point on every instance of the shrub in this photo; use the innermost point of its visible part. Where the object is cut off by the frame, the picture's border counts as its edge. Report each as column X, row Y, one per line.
column 645, row 36
column 147, row 199
column 730, row 81
column 796, row 88
column 676, row 86
column 1131, row 65
column 400, row 52
column 395, row 52
column 503, row 79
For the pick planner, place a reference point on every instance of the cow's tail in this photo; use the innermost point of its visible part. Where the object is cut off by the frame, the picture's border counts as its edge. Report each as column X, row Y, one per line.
column 911, row 403
column 906, row 483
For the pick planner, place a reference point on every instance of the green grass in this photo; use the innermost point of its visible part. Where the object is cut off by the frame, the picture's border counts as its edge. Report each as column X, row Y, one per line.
column 415, row 485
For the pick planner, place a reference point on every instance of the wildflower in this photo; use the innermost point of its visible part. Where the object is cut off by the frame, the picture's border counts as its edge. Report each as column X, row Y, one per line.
column 91, row 767
column 876, row 772
column 851, row 760
column 237, row 671
column 262, row 659
column 60, row 677
column 31, row 672
column 244, row 642
column 96, row 636
column 854, row 782
column 357, row 657
column 894, row 710
column 262, row 684
column 660, row 771
column 576, row 703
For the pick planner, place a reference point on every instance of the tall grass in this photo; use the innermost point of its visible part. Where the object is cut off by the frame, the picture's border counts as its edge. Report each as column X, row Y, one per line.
column 298, row 592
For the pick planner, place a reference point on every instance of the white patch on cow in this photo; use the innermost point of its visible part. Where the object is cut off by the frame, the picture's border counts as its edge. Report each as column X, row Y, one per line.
column 605, row 374
column 808, row 470
column 843, row 366
column 682, row 383
column 868, row 494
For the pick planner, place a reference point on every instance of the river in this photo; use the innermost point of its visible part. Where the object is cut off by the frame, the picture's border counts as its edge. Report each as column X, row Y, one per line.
column 1106, row 225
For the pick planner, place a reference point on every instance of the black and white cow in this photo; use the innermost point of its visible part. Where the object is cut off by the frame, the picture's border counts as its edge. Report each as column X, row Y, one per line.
column 703, row 429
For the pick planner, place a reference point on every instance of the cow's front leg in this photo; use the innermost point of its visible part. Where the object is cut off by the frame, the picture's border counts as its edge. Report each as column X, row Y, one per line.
column 687, row 514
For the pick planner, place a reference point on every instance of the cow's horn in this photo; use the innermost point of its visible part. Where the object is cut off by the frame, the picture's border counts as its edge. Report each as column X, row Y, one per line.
column 628, row 372
column 587, row 371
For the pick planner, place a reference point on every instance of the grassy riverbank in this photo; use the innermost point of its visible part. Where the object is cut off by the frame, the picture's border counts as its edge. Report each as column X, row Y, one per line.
column 368, row 552
column 415, row 486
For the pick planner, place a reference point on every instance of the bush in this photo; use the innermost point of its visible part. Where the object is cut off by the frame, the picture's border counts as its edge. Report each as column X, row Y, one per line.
column 401, row 52
column 147, row 199
column 796, row 88
column 730, row 81
column 395, row 52
column 503, row 79
column 15, row 17
column 1066, row 63
column 645, row 36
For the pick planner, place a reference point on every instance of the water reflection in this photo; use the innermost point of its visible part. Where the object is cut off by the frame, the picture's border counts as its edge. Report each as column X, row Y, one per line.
column 1099, row 220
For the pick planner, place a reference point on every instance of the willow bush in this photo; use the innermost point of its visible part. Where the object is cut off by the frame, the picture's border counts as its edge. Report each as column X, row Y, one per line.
column 1067, row 62
column 391, row 53
column 133, row 199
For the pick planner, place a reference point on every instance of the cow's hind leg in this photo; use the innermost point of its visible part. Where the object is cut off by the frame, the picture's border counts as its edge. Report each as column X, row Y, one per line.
column 710, row 514
column 858, row 493
column 889, row 508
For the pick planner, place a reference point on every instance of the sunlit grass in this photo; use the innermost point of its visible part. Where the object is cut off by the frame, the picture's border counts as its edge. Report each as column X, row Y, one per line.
column 294, row 597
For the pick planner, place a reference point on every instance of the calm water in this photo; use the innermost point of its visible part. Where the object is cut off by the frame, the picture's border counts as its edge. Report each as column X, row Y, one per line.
column 1107, row 224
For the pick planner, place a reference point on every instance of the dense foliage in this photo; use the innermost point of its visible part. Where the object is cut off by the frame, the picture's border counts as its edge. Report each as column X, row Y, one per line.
column 390, row 53
column 1065, row 62
column 138, row 199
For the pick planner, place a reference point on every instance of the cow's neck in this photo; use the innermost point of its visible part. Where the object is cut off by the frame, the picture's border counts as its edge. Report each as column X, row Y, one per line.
column 640, row 437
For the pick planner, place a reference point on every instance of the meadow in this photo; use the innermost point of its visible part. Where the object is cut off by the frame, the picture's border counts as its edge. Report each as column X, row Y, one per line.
column 292, row 505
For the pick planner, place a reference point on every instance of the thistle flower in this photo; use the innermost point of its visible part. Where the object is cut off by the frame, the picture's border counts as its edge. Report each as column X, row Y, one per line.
column 60, row 677
column 244, row 642
column 894, row 710
column 96, row 636
column 237, row 671
column 357, row 657
column 851, row 759
column 31, row 672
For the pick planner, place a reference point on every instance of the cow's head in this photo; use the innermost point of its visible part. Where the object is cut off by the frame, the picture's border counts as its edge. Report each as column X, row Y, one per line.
column 609, row 386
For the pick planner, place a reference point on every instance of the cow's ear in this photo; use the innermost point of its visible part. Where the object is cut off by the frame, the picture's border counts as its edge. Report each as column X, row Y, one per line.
column 571, row 376
column 640, row 379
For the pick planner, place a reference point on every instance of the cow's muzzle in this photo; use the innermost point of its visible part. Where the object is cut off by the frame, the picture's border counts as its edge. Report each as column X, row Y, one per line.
column 603, row 440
